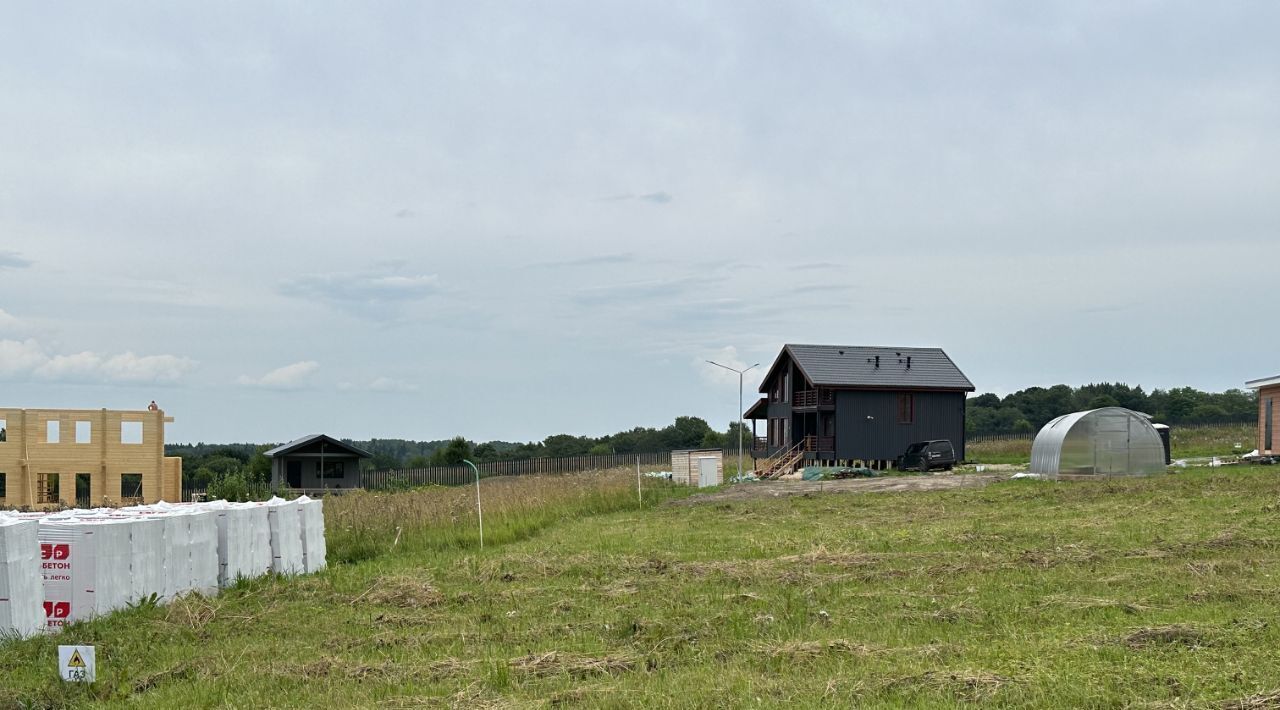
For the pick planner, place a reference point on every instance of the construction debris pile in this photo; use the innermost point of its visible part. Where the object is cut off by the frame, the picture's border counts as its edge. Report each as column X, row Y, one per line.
column 70, row 565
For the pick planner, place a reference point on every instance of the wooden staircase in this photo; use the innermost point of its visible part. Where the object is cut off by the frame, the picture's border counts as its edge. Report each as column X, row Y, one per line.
column 781, row 463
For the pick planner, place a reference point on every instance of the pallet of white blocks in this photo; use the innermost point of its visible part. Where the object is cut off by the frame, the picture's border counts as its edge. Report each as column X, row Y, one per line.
column 21, row 597
column 60, row 567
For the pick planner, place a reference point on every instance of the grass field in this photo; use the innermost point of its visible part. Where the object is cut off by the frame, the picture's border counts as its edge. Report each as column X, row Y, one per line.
column 1184, row 442
column 1158, row 592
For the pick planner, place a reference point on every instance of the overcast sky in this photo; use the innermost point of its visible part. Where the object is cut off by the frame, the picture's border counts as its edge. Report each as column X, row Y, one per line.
column 514, row 220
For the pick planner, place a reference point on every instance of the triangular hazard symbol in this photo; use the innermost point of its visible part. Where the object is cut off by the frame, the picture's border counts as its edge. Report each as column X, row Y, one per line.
column 76, row 661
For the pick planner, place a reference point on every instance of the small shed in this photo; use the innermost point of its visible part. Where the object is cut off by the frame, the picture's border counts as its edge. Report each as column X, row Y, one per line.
column 697, row 467
column 316, row 463
column 1111, row 441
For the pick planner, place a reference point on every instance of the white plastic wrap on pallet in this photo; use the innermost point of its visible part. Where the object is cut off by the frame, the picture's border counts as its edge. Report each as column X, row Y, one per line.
column 311, row 518
column 244, row 544
column 147, row 561
column 21, row 594
column 85, row 567
column 286, row 537
column 202, row 527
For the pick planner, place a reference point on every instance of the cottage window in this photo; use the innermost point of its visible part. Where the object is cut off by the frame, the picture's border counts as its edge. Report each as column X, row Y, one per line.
column 52, row 431
column 84, row 432
column 4, row 431
column 906, row 409
column 333, row 469
column 3, row 488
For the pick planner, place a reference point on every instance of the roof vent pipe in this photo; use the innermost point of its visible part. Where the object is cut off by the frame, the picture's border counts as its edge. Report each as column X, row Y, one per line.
column 877, row 361
column 908, row 362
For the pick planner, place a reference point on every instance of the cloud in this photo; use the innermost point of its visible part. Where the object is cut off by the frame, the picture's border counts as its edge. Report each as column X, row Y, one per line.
column 360, row 289
column 601, row 260
column 20, row 357
column 288, row 377
column 13, row 260
column 719, row 376
column 28, row 358
column 657, row 198
column 381, row 384
column 9, row 323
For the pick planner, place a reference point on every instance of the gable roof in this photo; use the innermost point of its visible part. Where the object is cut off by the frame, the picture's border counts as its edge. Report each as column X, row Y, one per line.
column 315, row 439
column 855, row 366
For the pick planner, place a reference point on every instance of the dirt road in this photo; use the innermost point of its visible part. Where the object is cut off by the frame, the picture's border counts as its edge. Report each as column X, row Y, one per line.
column 888, row 484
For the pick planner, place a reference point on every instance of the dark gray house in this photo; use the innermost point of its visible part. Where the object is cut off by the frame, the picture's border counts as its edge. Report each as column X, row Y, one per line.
column 316, row 463
column 838, row 403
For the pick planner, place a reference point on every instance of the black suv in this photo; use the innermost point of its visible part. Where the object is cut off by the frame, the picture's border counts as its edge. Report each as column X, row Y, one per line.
column 925, row 455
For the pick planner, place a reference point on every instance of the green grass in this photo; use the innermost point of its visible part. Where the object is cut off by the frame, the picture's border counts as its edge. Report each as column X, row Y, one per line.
column 1158, row 591
column 1185, row 442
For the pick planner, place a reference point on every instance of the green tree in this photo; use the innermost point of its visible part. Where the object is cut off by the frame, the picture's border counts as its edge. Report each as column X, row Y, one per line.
column 453, row 453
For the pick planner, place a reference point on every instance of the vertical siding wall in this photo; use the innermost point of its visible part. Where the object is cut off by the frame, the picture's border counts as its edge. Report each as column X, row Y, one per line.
column 938, row 415
column 104, row 457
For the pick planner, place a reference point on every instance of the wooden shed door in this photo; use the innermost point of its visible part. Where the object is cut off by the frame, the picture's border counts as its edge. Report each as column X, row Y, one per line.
column 706, row 471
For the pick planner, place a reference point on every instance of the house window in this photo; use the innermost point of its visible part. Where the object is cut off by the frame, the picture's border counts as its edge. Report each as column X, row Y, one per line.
column 4, row 493
column 47, row 488
column 131, row 486
column 4, row 431
column 1270, row 422
column 906, row 409
column 333, row 469
column 52, row 431
column 84, row 432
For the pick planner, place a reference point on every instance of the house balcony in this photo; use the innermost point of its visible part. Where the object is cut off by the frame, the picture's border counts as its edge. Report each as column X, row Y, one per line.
column 820, row 398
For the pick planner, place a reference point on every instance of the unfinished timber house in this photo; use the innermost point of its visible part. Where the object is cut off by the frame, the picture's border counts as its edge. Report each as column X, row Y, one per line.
column 855, row 405
column 85, row 457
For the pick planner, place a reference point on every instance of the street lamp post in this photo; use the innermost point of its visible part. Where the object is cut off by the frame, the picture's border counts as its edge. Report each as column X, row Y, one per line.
column 740, row 374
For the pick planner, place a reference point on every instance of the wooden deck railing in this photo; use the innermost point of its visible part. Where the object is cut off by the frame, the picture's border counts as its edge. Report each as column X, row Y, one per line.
column 813, row 398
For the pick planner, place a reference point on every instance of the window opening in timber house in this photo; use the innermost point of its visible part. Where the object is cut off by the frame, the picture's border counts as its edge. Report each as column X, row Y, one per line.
column 4, row 431
column 84, row 484
column 906, row 409
column 47, row 488
column 131, row 486
column 84, row 432
column 52, row 431
column 4, row 493
column 130, row 432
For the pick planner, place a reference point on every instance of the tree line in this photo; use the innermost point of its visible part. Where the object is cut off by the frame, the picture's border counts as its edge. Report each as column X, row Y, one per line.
column 204, row 464
column 1029, row 409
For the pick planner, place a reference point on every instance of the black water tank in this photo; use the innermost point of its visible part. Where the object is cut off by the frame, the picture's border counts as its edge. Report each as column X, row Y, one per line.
column 1163, row 430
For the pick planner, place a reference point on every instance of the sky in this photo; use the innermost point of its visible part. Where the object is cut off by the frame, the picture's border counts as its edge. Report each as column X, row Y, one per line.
column 511, row 220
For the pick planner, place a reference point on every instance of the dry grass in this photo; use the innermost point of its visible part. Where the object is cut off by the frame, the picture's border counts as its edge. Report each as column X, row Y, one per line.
column 402, row 591
column 1260, row 701
column 1175, row 634
column 559, row 663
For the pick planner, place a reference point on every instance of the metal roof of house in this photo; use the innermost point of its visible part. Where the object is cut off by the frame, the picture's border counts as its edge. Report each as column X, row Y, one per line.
column 314, row 438
column 855, row 366
column 1264, row 382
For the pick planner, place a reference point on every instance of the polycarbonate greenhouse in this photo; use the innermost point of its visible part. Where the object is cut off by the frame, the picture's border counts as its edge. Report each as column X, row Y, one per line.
column 1112, row 441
